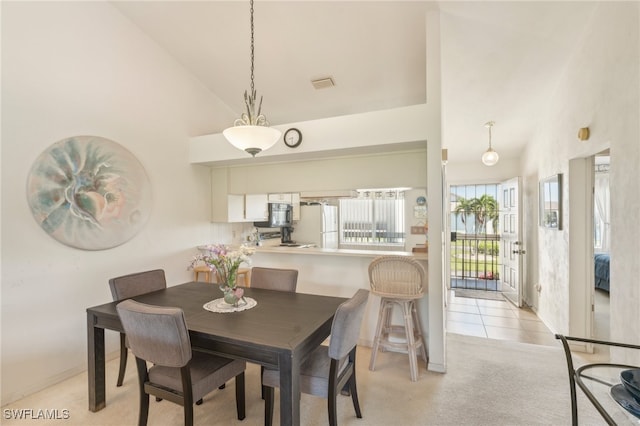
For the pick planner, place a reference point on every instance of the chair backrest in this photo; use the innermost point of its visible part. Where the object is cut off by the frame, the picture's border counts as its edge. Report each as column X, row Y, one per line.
column 157, row 334
column 345, row 329
column 274, row 279
column 397, row 276
column 133, row 285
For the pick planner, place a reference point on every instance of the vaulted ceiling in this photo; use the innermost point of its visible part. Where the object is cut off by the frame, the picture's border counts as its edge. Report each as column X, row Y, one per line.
column 500, row 61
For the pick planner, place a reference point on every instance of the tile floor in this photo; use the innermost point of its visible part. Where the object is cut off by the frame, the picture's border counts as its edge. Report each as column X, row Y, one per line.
column 496, row 319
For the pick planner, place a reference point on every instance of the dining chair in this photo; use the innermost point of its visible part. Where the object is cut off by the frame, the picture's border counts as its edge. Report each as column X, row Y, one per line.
column 133, row 285
column 331, row 368
column 398, row 281
column 273, row 279
column 159, row 335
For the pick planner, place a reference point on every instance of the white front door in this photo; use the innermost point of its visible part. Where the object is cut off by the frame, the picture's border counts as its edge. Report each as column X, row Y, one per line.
column 511, row 247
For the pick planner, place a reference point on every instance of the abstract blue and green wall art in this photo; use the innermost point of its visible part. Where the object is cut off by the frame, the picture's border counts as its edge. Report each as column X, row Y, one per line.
column 89, row 192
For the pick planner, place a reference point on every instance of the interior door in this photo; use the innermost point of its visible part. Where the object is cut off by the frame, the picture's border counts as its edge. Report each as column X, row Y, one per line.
column 511, row 246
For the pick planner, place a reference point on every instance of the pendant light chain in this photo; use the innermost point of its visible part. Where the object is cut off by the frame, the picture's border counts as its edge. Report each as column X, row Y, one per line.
column 490, row 135
column 253, row 90
column 490, row 156
column 251, row 132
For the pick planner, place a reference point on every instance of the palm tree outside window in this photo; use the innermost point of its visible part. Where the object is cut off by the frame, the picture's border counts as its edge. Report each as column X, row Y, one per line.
column 475, row 241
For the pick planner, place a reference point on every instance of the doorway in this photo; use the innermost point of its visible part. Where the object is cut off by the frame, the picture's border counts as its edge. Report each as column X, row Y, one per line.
column 475, row 239
column 601, row 246
column 587, row 240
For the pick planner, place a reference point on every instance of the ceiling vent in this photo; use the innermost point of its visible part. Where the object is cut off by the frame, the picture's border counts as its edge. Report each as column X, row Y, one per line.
column 323, row 83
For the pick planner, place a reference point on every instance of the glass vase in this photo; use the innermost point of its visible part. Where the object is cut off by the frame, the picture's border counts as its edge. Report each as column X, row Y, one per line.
column 229, row 297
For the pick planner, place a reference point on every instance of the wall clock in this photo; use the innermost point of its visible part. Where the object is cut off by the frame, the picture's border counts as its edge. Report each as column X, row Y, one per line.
column 292, row 138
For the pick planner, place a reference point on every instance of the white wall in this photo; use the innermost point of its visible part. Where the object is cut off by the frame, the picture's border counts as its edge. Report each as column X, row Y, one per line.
column 461, row 173
column 388, row 170
column 600, row 89
column 80, row 68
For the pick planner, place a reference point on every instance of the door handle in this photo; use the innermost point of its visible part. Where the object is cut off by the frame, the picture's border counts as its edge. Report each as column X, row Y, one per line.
column 519, row 251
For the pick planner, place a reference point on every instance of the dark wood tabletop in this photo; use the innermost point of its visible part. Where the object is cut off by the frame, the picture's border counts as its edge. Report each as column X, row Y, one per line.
column 279, row 332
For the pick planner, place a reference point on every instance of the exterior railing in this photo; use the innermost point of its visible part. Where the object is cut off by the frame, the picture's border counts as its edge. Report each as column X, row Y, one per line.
column 474, row 256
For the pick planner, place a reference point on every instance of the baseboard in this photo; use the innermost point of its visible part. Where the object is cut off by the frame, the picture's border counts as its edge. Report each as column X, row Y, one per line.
column 11, row 397
column 437, row 368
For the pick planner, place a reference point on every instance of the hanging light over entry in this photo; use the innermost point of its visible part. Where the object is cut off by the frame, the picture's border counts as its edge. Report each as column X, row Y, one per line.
column 251, row 132
column 490, row 157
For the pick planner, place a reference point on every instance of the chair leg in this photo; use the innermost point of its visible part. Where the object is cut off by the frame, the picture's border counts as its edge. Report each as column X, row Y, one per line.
column 123, row 359
column 143, row 413
column 331, row 406
column 354, row 388
column 261, row 385
column 268, row 406
column 411, row 343
column 418, row 325
column 387, row 327
column 378, row 335
column 240, row 396
column 187, row 395
column 354, row 397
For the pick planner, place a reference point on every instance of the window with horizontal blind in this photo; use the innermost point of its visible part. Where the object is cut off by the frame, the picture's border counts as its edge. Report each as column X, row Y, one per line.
column 373, row 220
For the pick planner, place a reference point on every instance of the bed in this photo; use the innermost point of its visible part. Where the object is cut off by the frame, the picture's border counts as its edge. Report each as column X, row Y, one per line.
column 601, row 266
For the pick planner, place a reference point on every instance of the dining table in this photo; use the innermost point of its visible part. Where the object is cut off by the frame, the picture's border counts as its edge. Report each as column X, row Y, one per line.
column 279, row 332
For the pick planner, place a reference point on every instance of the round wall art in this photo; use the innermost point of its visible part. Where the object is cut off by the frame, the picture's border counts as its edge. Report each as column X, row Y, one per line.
column 89, row 192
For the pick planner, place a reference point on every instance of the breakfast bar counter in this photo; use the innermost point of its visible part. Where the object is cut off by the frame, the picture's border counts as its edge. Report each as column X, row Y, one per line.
column 338, row 273
column 315, row 251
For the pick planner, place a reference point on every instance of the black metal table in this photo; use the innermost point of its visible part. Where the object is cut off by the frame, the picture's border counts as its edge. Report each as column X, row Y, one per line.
column 280, row 332
column 596, row 381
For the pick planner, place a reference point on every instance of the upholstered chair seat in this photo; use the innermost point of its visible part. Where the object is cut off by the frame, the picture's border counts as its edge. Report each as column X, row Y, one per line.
column 159, row 335
column 328, row 369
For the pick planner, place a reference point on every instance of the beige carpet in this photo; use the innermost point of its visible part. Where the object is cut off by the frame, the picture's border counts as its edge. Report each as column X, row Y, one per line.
column 489, row 382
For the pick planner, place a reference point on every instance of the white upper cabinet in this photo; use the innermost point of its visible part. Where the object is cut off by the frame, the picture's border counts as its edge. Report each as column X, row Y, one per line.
column 256, row 207
column 235, row 208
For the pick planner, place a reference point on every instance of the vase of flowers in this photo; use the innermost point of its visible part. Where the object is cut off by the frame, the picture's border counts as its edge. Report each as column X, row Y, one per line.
column 225, row 262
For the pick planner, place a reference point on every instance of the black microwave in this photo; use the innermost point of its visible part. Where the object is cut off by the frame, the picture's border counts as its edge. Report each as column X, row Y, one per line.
column 280, row 215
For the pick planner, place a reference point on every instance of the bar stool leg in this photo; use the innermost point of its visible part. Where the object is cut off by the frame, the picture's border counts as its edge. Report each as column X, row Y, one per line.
column 420, row 334
column 411, row 342
column 378, row 335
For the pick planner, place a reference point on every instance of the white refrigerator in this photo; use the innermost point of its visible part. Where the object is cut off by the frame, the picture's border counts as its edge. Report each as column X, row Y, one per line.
column 318, row 225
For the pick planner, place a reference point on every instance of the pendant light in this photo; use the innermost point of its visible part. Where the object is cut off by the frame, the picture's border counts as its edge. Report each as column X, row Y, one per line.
column 490, row 157
column 251, row 132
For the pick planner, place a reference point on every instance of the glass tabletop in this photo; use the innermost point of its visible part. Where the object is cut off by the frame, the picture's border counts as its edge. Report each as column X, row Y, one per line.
column 601, row 383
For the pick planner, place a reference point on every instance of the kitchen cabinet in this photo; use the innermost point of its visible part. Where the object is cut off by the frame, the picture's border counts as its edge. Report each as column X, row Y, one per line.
column 256, row 207
column 292, row 198
column 235, row 208
column 242, row 208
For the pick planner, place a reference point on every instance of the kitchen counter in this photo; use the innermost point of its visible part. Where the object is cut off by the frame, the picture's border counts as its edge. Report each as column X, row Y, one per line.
column 336, row 272
column 315, row 251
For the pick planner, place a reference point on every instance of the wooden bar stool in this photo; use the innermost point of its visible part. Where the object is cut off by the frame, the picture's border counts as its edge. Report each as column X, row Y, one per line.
column 245, row 273
column 399, row 281
column 202, row 269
